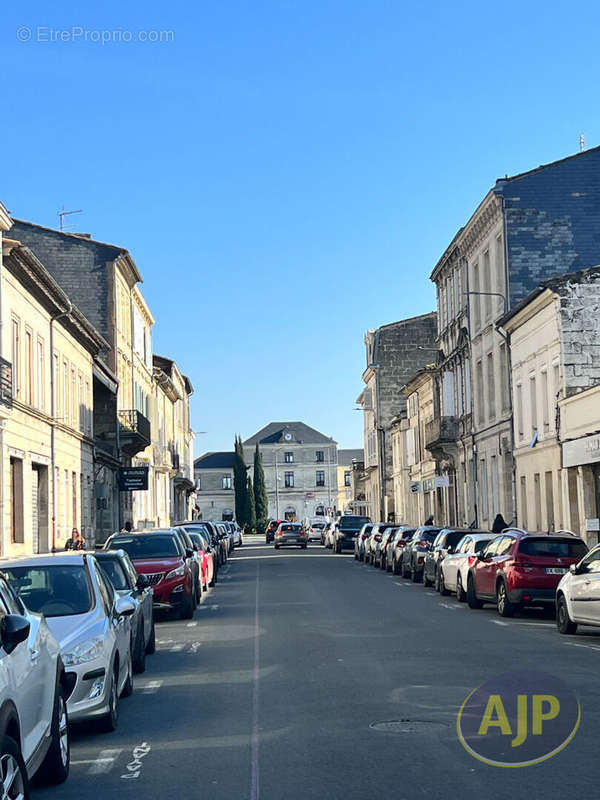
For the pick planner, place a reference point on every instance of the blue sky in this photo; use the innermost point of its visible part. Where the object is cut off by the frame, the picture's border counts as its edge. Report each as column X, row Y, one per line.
column 286, row 174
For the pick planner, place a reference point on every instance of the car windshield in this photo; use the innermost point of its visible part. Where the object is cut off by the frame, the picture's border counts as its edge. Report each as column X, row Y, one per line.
column 552, row 546
column 56, row 590
column 428, row 536
column 480, row 545
column 353, row 522
column 115, row 572
column 452, row 539
column 288, row 528
column 151, row 546
column 197, row 540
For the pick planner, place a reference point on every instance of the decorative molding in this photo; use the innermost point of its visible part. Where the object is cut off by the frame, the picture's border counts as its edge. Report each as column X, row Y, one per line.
column 480, row 225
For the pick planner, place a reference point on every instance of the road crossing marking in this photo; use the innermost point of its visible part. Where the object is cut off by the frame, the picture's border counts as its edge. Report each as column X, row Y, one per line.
column 152, row 687
column 191, row 624
column 104, row 762
column 447, row 605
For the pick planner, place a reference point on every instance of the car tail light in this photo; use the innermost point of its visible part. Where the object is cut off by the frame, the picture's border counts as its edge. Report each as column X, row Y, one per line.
column 423, row 543
column 280, row 533
column 302, row 533
column 401, row 543
column 420, row 560
column 527, row 598
column 377, row 537
column 364, row 536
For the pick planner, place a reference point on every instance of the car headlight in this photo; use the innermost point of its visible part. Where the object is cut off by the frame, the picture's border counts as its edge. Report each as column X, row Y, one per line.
column 86, row 651
column 179, row 572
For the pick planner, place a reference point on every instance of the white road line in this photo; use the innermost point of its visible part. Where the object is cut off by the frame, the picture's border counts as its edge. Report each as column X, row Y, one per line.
column 431, row 594
column 446, row 605
column 177, row 648
column 191, row 624
column 152, row 687
column 104, row 762
column 254, row 748
column 499, row 622
column 587, row 646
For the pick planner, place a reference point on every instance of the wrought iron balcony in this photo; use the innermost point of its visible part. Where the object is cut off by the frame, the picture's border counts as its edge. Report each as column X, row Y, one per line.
column 6, row 382
column 440, row 431
column 134, row 431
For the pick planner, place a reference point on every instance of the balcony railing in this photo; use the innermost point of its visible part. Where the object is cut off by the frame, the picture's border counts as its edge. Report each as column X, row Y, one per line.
column 441, row 430
column 6, row 382
column 134, row 431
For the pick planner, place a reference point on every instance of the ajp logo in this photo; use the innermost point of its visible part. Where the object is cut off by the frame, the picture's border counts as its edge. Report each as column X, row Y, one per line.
column 518, row 719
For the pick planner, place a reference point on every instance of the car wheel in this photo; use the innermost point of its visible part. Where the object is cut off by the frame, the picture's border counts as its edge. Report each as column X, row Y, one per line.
column 276, row 547
column 304, row 546
column 426, row 581
column 55, row 766
column 128, row 687
column 13, row 772
column 187, row 612
column 442, row 585
column 139, row 660
column 461, row 595
column 111, row 719
column 151, row 646
column 564, row 623
column 405, row 572
column 198, row 591
column 471, row 596
column 503, row 604
column 395, row 567
column 382, row 563
column 414, row 576
column 355, row 556
column 214, row 578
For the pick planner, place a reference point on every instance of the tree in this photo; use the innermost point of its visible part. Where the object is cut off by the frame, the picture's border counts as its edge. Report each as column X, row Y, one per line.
column 260, row 493
column 240, row 482
column 250, row 509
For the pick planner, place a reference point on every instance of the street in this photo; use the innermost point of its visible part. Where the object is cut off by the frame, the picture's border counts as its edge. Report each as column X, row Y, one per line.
column 274, row 687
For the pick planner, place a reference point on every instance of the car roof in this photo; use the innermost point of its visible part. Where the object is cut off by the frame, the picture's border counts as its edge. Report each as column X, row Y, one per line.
column 47, row 559
column 172, row 531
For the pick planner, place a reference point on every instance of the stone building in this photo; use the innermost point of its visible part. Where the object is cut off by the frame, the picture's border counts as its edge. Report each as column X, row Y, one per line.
column 346, row 459
column 527, row 228
column 394, row 353
column 103, row 281
column 554, row 346
column 46, row 441
column 300, row 465
column 215, row 498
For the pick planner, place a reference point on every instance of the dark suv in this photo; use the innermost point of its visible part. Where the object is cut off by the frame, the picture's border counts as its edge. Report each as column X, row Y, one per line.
column 271, row 528
column 346, row 530
column 415, row 551
column 444, row 544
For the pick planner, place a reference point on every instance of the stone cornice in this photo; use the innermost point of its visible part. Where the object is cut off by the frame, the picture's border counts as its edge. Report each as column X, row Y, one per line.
column 5, row 220
column 481, row 223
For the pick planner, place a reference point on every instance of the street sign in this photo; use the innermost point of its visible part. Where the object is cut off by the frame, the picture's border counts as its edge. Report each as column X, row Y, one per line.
column 442, row 482
column 415, row 487
column 133, row 479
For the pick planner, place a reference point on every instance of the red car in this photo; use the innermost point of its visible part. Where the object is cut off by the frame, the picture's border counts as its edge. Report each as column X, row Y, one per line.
column 159, row 555
column 517, row 568
column 206, row 558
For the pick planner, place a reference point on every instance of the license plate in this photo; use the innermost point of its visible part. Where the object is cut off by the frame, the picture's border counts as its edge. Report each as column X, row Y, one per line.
column 555, row 570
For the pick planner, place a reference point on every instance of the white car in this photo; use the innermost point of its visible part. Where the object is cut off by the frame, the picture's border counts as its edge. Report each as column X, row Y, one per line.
column 455, row 566
column 90, row 622
column 34, row 731
column 578, row 594
column 238, row 538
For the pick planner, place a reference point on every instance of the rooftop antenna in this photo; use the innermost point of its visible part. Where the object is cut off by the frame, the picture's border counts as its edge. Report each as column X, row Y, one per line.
column 581, row 142
column 62, row 214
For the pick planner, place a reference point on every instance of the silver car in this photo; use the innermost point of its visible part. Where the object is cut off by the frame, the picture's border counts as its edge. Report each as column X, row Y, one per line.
column 119, row 569
column 290, row 533
column 91, row 624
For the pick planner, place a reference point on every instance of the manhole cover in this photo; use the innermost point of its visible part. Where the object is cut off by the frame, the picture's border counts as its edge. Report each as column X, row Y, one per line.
column 408, row 726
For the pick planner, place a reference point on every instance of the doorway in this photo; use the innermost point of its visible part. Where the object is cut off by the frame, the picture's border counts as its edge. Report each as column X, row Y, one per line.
column 39, row 508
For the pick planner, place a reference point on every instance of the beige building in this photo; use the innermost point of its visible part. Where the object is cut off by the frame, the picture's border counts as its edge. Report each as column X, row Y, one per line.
column 46, row 451
column 345, row 461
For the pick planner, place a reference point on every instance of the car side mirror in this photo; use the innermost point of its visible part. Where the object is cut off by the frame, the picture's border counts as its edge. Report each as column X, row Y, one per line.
column 449, row 550
column 124, row 607
column 574, row 569
column 142, row 582
column 189, row 553
column 14, row 629
column 480, row 557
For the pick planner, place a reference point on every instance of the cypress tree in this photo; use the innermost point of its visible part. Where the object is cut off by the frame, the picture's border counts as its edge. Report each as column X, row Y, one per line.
column 260, row 493
column 240, row 482
column 250, row 510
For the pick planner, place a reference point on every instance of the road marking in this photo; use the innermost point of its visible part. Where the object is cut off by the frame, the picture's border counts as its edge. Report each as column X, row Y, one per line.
column 431, row 594
column 499, row 622
column 445, row 605
column 195, row 646
column 104, row 762
column 152, row 687
column 587, row 646
column 134, row 768
column 177, row 648
column 254, row 748
column 191, row 624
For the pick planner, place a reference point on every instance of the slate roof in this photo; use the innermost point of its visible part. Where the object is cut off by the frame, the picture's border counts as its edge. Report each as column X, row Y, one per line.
column 215, row 461
column 346, row 457
column 273, row 433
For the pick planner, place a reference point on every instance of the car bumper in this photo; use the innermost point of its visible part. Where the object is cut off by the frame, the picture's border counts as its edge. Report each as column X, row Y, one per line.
column 534, row 596
column 346, row 544
column 168, row 597
column 89, row 697
column 281, row 541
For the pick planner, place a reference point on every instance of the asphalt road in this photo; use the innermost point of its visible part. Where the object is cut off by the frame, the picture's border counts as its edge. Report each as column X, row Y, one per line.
column 271, row 690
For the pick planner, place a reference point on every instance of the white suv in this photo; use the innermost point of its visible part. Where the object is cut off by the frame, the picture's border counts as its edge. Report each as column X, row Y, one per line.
column 34, row 732
column 578, row 594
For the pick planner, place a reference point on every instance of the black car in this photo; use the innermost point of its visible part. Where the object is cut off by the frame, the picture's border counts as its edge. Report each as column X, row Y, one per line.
column 444, row 543
column 270, row 530
column 415, row 551
column 346, row 530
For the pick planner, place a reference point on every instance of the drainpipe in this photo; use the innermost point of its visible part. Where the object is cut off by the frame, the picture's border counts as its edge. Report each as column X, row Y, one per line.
column 53, row 319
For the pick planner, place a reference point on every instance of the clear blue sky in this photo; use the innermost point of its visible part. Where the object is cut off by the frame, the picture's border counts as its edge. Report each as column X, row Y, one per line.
column 286, row 174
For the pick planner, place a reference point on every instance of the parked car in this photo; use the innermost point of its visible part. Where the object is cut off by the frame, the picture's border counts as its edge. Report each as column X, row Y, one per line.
column 443, row 544
column 327, row 535
column 230, row 528
column 238, row 536
column 290, row 533
column 413, row 559
column 378, row 545
column 91, row 624
column 209, row 546
column 34, row 730
column 160, row 556
column 455, row 566
column 119, row 569
column 205, row 554
column 193, row 560
column 388, row 536
column 519, row 568
column 397, row 546
column 217, row 542
column 226, row 537
column 346, row 530
column 270, row 531
column 578, row 594
column 315, row 527
column 360, row 541
column 371, row 543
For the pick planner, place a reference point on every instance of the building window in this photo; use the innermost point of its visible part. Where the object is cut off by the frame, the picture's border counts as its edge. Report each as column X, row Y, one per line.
column 348, row 476
column 199, row 483
column 545, row 402
column 16, row 362
column 484, row 489
column 289, row 458
column 320, row 477
column 487, row 284
column 65, row 393
column 491, row 386
column 504, row 379
column 16, row 493
column 519, row 410
column 524, row 501
column 289, row 480
column 480, row 395
column 476, row 298
column 226, row 482
column 41, row 399
column 533, row 401
column 28, row 367
column 320, row 455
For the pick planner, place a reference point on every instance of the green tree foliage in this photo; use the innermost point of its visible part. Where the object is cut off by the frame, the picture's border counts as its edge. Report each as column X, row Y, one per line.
column 240, row 483
column 260, row 493
column 250, row 510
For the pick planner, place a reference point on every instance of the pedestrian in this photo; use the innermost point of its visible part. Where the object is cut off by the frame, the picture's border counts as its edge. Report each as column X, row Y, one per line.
column 127, row 528
column 499, row 524
column 429, row 520
column 75, row 541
